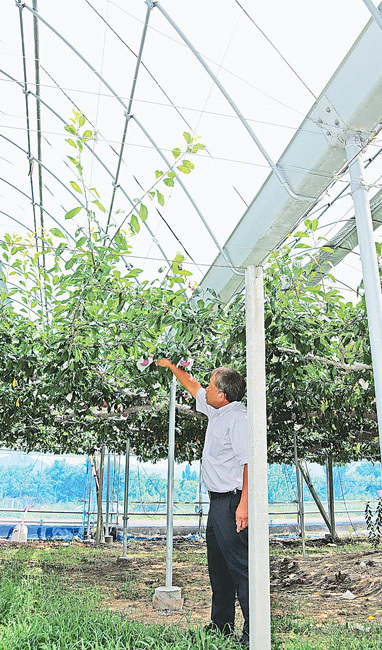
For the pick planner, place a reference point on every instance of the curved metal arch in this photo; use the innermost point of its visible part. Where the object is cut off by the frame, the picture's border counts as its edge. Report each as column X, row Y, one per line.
column 39, row 206
column 16, row 220
column 274, row 166
column 120, row 100
column 95, row 155
column 128, row 111
column 39, row 162
column 375, row 12
column 189, row 196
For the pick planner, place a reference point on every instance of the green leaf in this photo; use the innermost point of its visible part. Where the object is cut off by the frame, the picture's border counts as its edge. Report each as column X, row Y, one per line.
column 71, row 142
column 76, row 187
column 187, row 137
column 57, row 233
column 327, row 249
column 70, row 129
column 158, row 174
column 87, row 134
column 93, row 189
column 169, row 182
column 188, row 163
column 314, row 225
column 300, row 233
column 176, row 152
column 80, row 242
column 72, row 213
column 184, row 169
column 81, row 121
column 80, row 145
column 160, row 198
column 134, row 223
column 133, row 273
column 70, row 263
column 99, row 205
column 74, row 161
column 143, row 212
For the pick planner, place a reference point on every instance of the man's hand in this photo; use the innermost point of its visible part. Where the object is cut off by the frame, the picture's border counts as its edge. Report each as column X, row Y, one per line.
column 163, row 362
column 185, row 379
column 241, row 516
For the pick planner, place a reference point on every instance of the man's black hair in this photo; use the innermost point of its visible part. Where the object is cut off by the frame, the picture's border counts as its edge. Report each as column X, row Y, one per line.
column 230, row 382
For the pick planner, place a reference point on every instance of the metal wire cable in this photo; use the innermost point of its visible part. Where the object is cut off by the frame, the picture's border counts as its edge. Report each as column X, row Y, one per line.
column 213, row 62
column 275, row 48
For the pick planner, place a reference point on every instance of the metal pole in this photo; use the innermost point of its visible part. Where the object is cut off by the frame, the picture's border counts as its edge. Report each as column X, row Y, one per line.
column 170, row 484
column 90, row 501
column 107, row 496
column 118, row 487
column 126, row 499
column 200, row 499
column 88, row 475
column 375, row 12
column 299, row 506
column 306, row 477
column 100, row 535
column 128, row 112
column 113, row 487
column 330, row 491
column 259, row 591
column 370, row 271
column 302, row 514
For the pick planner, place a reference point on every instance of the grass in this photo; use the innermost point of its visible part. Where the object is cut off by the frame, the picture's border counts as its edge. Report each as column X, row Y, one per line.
column 39, row 611
column 292, row 633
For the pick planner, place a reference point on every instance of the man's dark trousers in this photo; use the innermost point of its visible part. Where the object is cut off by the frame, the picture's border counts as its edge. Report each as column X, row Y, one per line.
column 227, row 552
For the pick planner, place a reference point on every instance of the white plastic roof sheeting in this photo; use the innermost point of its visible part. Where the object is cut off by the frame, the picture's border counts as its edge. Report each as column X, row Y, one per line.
column 273, row 76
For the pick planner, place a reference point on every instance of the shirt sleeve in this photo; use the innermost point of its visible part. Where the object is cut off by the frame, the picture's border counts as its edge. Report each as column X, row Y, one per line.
column 239, row 440
column 201, row 403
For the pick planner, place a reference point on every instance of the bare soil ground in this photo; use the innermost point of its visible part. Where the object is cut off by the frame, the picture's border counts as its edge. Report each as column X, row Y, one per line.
column 314, row 586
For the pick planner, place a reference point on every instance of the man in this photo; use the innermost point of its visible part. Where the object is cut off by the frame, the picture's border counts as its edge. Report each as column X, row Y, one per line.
column 225, row 475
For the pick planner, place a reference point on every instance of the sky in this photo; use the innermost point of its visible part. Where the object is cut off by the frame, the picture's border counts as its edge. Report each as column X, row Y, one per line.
column 273, row 59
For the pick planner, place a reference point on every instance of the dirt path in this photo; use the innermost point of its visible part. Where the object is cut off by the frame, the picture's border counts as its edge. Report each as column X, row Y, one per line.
column 313, row 587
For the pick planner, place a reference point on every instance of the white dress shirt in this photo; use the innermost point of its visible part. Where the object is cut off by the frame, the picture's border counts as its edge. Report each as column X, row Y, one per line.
column 226, row 446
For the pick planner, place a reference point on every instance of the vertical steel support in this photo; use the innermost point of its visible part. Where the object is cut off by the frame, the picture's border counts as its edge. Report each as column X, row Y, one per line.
column 170, row 484
column 302, row 513
column 330, row 492
column 370, row 270
column 259, row 591
column 112, row 489
column 100, row 534
column 88, row 475
column 107, row 516
column 118, row 487
column 90, row 501
column 375, row 12
column 200, row 500
column 300, row 507
column 126, row 499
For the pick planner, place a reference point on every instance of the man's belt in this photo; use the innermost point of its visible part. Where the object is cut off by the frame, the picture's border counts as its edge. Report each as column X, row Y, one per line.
column 221, row 495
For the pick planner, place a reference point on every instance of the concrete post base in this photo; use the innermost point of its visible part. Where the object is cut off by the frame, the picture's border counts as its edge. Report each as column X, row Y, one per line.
column 123, row 560
column 108, row 539
column 168, row 598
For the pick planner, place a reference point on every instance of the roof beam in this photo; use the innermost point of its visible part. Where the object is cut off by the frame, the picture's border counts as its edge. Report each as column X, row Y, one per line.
column 316, row 155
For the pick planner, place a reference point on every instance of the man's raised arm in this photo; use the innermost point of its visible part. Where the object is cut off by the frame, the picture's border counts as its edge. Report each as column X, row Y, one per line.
column 185, row 379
